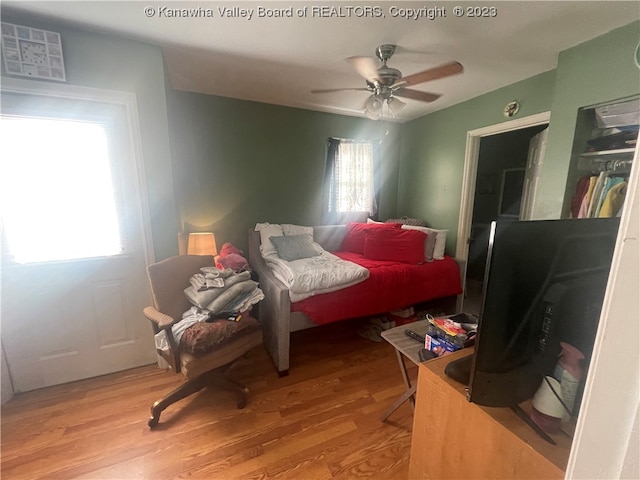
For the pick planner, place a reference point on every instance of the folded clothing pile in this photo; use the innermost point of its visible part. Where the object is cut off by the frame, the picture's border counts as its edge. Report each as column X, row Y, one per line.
column 222, row 292
column 217, row 296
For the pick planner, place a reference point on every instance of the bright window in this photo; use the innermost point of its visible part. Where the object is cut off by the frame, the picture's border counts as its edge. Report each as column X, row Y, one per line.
column 351, row 176
column 57, row 200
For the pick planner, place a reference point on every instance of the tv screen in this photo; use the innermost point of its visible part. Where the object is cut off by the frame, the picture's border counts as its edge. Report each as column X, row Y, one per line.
column 544, row 283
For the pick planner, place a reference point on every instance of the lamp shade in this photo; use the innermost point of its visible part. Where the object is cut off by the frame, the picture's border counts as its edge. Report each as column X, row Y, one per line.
column 395, row 105
column 372, row 115
column 374, row 104
column 203, row 243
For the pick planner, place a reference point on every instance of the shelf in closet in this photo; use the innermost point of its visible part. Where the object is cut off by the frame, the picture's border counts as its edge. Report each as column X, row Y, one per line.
column 606, row 155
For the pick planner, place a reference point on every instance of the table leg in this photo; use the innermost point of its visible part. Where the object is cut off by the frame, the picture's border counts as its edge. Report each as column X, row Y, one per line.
column 409, row 394
column 405, row 375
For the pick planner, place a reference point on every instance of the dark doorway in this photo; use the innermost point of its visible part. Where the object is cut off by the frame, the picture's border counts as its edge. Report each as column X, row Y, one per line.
column 502, row 163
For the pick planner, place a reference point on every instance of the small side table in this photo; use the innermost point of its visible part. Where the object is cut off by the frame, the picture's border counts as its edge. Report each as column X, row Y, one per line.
column 405, row 347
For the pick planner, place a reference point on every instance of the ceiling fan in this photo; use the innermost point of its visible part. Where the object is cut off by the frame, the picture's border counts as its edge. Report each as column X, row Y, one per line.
column 386, row 84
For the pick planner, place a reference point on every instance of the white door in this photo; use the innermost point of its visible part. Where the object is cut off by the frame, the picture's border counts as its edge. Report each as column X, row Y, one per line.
column 73, row 273
column 535, row 160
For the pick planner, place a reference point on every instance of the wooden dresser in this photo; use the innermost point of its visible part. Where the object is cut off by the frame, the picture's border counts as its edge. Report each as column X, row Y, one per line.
column 455, row 439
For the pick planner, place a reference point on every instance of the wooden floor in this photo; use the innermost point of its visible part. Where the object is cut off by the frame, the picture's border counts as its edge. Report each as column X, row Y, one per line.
column 320, row 422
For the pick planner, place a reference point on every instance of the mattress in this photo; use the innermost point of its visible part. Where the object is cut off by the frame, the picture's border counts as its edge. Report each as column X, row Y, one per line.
column 390, row 286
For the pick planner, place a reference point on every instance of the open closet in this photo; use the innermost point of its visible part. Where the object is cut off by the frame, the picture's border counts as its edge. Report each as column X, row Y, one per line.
column 602, row 156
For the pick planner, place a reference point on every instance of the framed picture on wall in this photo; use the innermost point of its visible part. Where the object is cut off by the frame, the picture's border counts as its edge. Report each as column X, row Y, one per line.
column 32, row 52
column 511, row 192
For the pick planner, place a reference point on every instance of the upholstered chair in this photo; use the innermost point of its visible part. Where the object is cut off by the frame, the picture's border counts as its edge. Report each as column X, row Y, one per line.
column 206, row 350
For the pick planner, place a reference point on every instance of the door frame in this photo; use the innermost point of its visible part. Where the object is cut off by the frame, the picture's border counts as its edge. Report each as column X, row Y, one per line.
column 126, row 100
column 472, row 153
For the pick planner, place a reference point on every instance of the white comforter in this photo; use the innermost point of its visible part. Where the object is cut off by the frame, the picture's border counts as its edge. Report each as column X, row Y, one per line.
column 312, row 276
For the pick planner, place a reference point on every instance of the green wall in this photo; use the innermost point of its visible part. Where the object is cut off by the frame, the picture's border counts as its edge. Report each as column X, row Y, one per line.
column 238, row 162
column 593, row 72
column 433, row 147
column 433, row 150
column 102, row 61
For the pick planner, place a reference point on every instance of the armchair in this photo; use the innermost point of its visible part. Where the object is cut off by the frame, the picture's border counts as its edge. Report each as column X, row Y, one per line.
column 168, row 279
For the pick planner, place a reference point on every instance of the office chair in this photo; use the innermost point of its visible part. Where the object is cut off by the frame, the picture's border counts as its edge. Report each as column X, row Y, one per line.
column 207, row 353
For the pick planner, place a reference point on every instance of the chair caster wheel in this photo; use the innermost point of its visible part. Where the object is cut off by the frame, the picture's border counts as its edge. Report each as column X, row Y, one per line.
column 153, row 421
column 242, row 403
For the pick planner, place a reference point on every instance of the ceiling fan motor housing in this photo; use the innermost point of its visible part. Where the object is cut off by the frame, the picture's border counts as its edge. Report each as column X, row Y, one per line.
column 387, row 76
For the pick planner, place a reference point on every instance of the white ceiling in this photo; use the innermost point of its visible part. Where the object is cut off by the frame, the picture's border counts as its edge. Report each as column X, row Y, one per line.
column 279, row 60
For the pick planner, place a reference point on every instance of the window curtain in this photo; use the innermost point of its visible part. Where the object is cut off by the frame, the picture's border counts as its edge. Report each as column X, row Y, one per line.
column 350, row 177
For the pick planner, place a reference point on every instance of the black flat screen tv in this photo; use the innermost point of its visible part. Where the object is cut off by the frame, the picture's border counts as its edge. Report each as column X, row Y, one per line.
column 544, row 283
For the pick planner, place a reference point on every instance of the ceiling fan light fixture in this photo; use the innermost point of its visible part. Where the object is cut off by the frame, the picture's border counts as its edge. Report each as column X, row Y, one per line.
column 395, row 105
column 372, row 115
column 374, row 103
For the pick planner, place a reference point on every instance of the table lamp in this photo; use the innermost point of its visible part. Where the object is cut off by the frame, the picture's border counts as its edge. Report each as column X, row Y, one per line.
column 202, row 243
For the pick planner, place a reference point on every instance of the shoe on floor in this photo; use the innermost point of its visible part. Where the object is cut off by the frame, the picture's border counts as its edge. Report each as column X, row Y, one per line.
column 382, row 322
column 370, row 332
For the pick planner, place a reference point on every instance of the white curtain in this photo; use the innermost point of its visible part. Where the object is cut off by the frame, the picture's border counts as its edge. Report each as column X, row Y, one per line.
column 353, row 178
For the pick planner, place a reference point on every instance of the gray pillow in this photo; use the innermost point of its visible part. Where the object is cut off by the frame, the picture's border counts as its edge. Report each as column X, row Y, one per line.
column 295, row 247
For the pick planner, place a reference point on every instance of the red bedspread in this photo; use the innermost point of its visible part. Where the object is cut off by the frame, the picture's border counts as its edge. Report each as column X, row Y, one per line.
column 391, row 285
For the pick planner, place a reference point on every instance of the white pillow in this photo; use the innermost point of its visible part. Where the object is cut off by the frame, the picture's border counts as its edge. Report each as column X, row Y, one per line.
column 372, row 221
column 435, row 243
column 289, row 230
column 441, row 243
column 268, row 230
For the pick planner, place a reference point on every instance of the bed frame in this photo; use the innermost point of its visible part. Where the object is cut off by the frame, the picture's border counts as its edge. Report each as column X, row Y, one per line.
column 274, row 312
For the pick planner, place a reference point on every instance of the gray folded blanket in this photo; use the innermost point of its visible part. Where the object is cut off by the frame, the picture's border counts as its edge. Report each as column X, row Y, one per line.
column 229, row 295
column 202, row 298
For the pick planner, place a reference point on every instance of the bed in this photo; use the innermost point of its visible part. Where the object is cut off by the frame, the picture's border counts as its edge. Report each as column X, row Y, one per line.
column 395, row 279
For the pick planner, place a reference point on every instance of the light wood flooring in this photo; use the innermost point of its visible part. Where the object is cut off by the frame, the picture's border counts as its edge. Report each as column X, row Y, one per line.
column 320, row 422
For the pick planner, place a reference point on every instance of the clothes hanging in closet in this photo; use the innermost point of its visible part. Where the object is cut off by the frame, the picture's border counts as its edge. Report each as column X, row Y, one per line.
column 608, row 184
column 612, row 205
column 595, row 198
column 603, row 196
column 581, row 190
column 584, row 207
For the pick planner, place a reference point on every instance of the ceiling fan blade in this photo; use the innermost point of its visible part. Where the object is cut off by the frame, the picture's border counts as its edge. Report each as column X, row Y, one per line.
column 446, row 70
column 330, row 90
column 416, row 95
column 367, row 67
